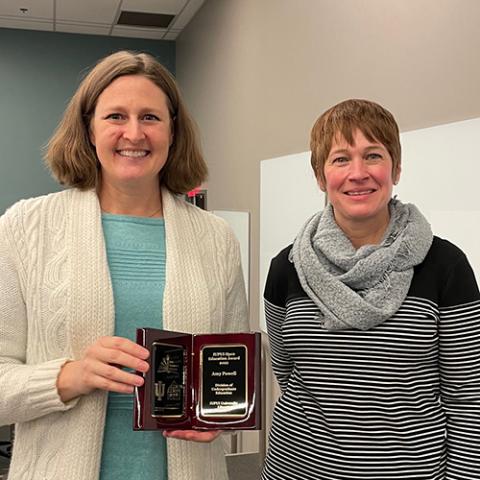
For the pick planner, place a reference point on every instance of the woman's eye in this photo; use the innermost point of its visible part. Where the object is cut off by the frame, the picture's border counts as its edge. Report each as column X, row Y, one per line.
column 340, row 160
column 114, row 116
column 150, row 117
column 374, row 156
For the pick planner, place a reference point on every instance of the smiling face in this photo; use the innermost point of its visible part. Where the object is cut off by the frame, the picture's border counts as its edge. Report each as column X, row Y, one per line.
column 132, row 132
column 359, row 182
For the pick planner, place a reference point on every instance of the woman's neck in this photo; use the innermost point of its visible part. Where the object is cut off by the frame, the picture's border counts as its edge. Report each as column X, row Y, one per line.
column 366, row 232
column 131, row 201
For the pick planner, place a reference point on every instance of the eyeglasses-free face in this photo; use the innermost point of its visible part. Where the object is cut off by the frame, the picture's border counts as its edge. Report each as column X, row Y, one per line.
column 131, row 130
column 358, row 181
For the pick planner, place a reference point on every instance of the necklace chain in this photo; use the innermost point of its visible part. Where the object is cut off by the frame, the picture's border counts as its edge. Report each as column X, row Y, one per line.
column 147, row 216
column 155, row 212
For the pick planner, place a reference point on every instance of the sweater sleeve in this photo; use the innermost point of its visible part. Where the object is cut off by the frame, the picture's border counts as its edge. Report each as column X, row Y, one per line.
column 28, row 391
column 275, row 311
column 236, row 310
column 459, row 334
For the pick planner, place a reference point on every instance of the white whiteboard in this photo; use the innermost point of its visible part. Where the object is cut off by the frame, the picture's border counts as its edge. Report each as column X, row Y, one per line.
column 240, row 224
column 440, row 172
column 288, row 196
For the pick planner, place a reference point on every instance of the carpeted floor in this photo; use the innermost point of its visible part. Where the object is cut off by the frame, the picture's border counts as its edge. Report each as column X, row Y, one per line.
column 244, row 466
column 241, row 466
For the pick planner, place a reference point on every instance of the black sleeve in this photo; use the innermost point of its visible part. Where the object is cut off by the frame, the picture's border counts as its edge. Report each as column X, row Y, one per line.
column 460, row 285
column 459, row 362
column 275, row 297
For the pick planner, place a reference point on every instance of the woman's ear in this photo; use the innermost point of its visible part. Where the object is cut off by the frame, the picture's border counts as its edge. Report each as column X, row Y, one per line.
column 91, row 135
column 172, row 130
column 321, row 184
column 396, row 175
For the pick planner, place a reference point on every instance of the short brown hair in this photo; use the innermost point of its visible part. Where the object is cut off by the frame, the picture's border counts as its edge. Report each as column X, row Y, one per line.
column 374, row 121
column 70, row 154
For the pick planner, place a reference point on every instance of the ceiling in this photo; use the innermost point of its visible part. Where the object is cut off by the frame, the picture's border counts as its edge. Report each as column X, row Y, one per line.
column 99, row 17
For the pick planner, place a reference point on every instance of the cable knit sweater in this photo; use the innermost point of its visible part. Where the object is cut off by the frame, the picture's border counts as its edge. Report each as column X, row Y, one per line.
column 56, row 299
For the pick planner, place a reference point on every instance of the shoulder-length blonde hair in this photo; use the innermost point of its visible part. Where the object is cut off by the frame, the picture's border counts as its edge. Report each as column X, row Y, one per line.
column 70, row 155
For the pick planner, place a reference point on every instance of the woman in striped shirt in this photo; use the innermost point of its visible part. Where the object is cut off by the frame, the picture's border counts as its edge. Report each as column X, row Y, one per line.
column 374, row 325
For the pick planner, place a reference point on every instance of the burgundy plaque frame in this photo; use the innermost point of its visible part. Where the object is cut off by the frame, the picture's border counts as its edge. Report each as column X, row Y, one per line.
column 220, row 375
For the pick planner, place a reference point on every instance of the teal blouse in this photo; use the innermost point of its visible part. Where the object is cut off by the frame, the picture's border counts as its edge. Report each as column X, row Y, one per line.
column 136, row 258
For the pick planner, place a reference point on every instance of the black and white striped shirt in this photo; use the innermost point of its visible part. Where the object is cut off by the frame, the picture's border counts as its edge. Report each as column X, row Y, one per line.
column 399, row 401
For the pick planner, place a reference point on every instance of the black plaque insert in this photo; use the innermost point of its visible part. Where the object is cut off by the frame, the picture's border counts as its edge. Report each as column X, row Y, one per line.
column 169, row 371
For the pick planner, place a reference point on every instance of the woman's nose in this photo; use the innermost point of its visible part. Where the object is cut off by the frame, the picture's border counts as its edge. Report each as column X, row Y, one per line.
column 358, row 169
column 133, row 131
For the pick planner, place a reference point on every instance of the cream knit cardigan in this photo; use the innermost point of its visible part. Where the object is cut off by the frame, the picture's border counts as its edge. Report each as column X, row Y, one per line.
column 56, row 299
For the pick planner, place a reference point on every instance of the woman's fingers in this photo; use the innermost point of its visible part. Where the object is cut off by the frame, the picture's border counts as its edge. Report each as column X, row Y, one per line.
column 193, row 435
column 98, row 374
column 104, row 360
column 119, row 351
column 102, row 368
column 124, row 345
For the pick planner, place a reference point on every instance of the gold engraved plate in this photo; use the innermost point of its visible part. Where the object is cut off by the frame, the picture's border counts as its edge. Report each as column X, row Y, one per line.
column 223, row 381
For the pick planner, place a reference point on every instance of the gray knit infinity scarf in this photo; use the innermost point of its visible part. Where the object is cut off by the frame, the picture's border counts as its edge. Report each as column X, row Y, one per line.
column 361, row 288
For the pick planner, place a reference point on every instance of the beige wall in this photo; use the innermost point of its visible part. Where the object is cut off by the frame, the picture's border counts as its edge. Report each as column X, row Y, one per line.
column 256, row 74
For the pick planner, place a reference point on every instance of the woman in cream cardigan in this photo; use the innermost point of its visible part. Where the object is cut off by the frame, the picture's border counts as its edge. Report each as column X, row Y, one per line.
column 81, row 269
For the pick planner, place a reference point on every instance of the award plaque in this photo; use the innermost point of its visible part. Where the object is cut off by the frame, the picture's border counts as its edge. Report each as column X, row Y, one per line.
column 199, row 381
